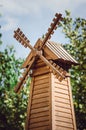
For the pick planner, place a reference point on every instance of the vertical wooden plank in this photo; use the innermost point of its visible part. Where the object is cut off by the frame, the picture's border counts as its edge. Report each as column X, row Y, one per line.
column 50, row 101
column 29, row 105
column 72, row 106
column 53, row 101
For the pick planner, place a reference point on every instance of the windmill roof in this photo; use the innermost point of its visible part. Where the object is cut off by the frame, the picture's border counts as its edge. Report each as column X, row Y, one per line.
column 60, row 52
column 54, row 51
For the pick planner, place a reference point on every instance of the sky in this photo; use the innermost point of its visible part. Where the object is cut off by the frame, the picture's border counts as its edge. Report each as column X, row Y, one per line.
column 34, row 18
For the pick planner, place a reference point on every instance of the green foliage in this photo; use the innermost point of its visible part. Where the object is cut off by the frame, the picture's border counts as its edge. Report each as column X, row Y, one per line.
column 13, row 110
column 13, row 107
column 0, row 37
column 9, row 68
column 75, row 31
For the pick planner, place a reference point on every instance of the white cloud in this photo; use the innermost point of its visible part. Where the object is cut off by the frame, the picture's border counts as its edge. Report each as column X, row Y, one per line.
column 12, row 10
column 25, row 13
column 10, row 23
column 20, row 7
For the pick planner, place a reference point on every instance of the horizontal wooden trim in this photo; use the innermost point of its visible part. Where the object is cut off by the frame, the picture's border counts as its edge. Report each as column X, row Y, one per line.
column 62, row 109
column 42, row 70
column 61, row 95
column 65, row 120
column 61, row 86
column 37, row 125
column 41, row 95
column 39, row 119
column 59, row 104
column 43, row 114
column 38, row 110
column 62, row 128
column 67, row 125
column 62, row 100
column 59, row 90
column 42, row 90
column 41, row 81
column 41, row 128
column 63, row 114
column 42, row 104
column 41, row 77
column 40, row 63
column 41, row 86
column 35, row 101
column 64, row 83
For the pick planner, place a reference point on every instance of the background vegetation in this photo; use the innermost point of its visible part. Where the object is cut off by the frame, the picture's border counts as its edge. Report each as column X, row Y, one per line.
column 13, row 107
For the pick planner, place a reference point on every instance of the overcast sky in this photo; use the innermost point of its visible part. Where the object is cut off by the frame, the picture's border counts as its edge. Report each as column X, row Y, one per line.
column 34, row 18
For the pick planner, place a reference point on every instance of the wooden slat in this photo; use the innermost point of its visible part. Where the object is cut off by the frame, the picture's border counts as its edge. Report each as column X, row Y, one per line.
column 39, row 91
column 50, row 53
column 62, row 109
column 61, row 86
column 38, row 110
column 61, row 95
column 43, row 114
column 39, row 64
column 40, row 95
column 39, row 71
column 57, row 48
column 54, row 51
column 58, row 90
column 41, row 77
column 62, row 119
column 42, row 104
column 45, row 99
column 39, row 119
column 41, row 86
column 63, row 82
column 41, row 128
column 41, row 82
column 59, row 104
column 63, row 114
column 63, row 128
column 62, row 100
column 37, row 125
column 67, row 125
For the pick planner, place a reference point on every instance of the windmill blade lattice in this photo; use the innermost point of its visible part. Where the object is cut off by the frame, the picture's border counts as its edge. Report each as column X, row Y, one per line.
column 53, row 26
column 19, row 36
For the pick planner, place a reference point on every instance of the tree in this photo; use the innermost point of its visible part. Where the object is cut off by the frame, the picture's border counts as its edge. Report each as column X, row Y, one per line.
column 13, row 107
column 75, row 31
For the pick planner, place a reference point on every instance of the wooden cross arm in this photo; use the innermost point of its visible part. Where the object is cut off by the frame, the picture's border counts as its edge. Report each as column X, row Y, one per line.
column 53, row 26
column 52, row 67
column 24, row 77
column 19, row 36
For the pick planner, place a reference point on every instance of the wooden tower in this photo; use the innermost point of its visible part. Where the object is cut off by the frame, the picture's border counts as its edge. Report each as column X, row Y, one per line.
column 50, row 104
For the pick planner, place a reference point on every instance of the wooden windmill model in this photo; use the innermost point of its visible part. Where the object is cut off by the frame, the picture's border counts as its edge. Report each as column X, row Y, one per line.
column 50, row 105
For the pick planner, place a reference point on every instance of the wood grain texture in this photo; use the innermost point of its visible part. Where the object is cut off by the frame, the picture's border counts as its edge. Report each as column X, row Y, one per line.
column 51, row 106
column 40, row 105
